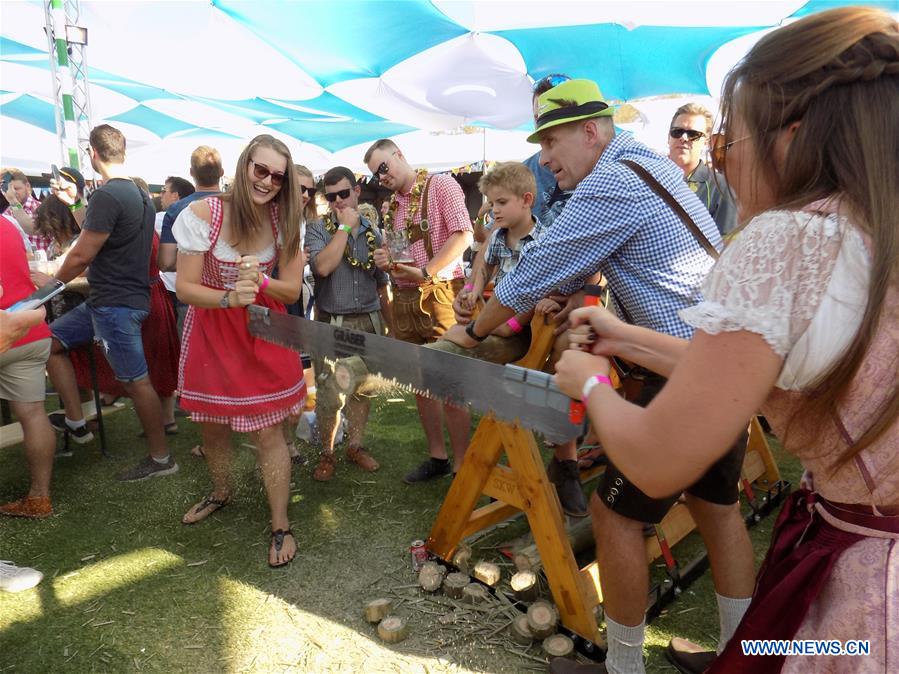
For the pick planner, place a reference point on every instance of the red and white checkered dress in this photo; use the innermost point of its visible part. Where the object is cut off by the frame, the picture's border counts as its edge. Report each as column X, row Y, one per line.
column 227, row 376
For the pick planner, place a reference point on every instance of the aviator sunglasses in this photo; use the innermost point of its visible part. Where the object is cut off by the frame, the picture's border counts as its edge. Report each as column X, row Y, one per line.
column 692, row 134
column 343, row 194
column 261, row 171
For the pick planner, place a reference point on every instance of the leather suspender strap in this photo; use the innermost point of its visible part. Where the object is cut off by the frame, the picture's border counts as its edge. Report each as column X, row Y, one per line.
column 656, row 187
column 425, row 225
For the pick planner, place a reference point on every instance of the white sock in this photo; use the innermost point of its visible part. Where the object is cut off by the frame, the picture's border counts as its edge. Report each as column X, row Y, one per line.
column 625, row 648
column 75, row 425
column 730, row 613
column 162, row 462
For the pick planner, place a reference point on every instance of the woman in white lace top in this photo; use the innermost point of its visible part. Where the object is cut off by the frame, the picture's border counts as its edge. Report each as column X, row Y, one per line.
column 801, row 320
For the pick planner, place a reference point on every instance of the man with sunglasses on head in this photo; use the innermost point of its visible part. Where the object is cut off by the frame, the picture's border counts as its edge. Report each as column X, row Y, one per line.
column 432, row 211
column 615, row 223
column 350, row 292
column 550, row 198
column 688, row 141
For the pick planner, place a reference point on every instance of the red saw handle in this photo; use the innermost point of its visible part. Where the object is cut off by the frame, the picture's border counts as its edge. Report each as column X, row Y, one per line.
column 577, row 411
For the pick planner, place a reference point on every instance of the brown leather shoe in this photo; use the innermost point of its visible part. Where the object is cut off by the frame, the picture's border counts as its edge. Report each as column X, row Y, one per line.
column 325, row 469
column 33, row 507
column 688, row 657
column 362, row 459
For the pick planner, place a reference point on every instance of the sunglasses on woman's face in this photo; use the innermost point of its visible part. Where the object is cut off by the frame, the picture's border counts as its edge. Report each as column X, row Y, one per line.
column 692, row 134
column 261, row 171
column 719, row 151
column 343, row 194
column 308, row 190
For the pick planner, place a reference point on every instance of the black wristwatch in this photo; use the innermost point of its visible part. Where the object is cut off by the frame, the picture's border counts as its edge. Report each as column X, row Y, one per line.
column 469, row 330
column 426, row 277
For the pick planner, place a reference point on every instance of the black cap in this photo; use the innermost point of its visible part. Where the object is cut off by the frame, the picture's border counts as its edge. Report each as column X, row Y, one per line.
column 73, row 175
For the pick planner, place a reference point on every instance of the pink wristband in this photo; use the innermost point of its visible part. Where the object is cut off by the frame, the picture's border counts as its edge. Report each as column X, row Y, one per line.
column 592, row 382
column 467, row 286
column 515, row 325
column 264, row 284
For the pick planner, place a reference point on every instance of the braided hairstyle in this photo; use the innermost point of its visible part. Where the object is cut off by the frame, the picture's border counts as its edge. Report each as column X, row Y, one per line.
column 836, row 73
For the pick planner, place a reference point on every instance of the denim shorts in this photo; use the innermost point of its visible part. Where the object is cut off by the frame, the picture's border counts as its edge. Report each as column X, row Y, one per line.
column 116, row 329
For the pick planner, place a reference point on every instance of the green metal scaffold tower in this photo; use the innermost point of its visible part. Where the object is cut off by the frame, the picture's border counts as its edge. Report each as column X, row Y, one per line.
column 67, row 48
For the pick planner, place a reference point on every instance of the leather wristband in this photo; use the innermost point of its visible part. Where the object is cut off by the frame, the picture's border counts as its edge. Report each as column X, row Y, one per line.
column 592, row 383
column 469, row 330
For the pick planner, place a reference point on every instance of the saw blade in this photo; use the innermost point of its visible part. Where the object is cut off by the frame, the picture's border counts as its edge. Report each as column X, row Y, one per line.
column 513, row 394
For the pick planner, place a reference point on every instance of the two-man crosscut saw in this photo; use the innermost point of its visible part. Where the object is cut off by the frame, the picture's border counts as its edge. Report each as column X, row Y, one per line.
column 511, row 393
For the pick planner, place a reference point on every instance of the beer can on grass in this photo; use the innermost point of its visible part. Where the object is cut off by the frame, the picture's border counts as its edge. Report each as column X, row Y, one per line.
column 419, row 554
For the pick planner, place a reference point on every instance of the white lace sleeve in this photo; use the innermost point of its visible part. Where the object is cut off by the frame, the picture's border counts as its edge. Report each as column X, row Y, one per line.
column 191, row 232
column 770, row 280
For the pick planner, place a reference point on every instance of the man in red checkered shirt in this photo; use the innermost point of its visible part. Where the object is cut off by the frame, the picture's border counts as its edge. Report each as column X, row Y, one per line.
column 431, row 210
column 22, row 207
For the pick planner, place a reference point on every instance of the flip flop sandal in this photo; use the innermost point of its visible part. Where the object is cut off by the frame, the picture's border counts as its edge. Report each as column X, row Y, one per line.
column 198, row 452
column 278, row 541
column 209, row 504
column 170, row 429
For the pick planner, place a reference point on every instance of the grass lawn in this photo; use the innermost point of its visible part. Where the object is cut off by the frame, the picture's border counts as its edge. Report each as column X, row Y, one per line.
column 128, row 587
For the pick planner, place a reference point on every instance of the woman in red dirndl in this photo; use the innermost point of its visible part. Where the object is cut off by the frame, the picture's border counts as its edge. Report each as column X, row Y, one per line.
column 230, row 380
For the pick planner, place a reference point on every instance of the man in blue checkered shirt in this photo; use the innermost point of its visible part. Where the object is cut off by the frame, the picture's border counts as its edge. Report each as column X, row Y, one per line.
column 616, row 224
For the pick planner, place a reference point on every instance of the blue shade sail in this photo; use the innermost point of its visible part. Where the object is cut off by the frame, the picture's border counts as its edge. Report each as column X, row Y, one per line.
column 335, row 41
column 153, row 121
column 26, row 108
column 627, row 64
column 335, row 136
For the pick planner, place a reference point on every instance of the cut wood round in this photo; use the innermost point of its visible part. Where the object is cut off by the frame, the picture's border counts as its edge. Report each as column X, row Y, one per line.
column 487, row 573
column 558, row 646
column 349, row 374
column 393, row 629
column 376, row 610
column 462, row 558
column 431, row 576
column 454, row 584
column 524, row 585
column 475, row 593
column 520, row 632
column 580, row 536
column 542, row 619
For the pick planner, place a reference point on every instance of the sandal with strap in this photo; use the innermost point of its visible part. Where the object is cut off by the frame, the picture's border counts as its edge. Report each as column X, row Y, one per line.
column 205, row 508
column 278, row 541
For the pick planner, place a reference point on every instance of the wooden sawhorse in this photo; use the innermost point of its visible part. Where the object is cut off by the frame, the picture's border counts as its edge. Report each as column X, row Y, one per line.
column 522, row 485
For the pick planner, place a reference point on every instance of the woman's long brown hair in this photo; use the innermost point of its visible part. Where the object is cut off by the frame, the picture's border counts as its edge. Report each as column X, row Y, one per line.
column 245, row 218
column 310, row 213
column 836, row 72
